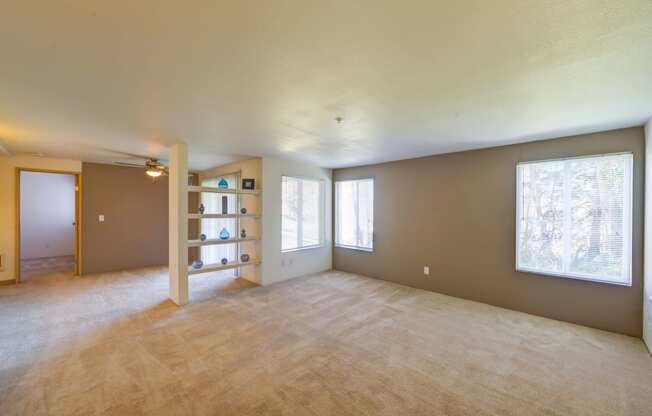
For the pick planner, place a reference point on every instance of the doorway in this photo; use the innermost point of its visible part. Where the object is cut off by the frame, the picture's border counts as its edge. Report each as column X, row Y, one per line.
column 47, row 223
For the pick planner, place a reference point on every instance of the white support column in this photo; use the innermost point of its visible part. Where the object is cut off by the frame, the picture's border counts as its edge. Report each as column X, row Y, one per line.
column 178, row 223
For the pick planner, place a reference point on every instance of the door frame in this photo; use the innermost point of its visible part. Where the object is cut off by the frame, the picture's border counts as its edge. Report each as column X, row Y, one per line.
column 78, row 219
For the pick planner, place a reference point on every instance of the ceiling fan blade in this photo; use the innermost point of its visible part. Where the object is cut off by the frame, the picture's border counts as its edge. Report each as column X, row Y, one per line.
column 128, row 154
column 134, row 165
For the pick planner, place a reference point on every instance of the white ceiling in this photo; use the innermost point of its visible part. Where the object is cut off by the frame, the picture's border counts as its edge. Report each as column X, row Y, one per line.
column 81, row 79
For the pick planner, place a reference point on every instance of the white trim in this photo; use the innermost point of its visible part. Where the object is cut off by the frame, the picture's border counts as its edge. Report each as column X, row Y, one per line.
column 519, row 214
column 291, row 250
column 562, row 159
column 365, row 249
column 573, row 276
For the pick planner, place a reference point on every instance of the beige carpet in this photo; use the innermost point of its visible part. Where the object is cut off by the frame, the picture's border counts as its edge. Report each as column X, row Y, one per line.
column 331, row 344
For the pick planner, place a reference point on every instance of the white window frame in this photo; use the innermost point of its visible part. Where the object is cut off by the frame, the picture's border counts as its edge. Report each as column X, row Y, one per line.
column 300, row 223
column 627, row 221
column 357, row 216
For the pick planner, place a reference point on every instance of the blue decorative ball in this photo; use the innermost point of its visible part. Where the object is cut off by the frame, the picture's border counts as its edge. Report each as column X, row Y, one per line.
column 224, row 260
column 202, row 237
column 197, row 264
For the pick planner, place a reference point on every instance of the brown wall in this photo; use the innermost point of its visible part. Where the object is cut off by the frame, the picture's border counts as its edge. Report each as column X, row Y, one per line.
column 456, row 213
column 135, row 230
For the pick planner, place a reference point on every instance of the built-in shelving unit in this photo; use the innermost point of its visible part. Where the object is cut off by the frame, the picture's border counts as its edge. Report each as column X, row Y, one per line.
column 215, row 241
column 207, row 268
column 224, row 190
column 200, row 216
column 219, row 266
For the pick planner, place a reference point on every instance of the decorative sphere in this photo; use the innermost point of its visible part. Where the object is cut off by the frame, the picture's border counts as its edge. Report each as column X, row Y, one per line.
column 202, row 237
column 244, row 257
column 243, row 210
column 197, row 264
column 224, row 260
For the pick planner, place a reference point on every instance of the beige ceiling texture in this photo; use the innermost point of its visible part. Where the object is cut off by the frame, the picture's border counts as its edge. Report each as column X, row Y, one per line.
column 83, row 79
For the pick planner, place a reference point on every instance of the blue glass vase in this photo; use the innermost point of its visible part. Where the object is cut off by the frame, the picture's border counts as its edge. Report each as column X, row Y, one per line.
column 222, row 183
column 224, row 234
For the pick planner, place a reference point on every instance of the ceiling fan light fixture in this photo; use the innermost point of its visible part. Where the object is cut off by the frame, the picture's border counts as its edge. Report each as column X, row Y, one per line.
column 154, row 173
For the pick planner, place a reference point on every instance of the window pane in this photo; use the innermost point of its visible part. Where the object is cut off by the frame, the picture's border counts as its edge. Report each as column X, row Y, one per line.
column 346, row 216
column 597, row 216
column 575, row 217
column 366, row 213
column 542, row 216
column 355, row 213
column 290, row 214
column 301, row 213
column 311, row 212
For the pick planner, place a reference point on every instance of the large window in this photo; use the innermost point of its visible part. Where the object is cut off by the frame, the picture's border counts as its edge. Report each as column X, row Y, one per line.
column 302, row 213
column 574, row 218
column 354, row 214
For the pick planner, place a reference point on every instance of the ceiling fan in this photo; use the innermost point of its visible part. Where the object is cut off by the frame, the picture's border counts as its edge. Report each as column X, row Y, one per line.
column 153, row 167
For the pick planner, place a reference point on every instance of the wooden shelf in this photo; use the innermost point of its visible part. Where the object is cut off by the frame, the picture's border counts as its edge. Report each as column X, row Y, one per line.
column 219, row 266
column 236, row 241
column 198, row 216
column 216, row 241
column 224, row 190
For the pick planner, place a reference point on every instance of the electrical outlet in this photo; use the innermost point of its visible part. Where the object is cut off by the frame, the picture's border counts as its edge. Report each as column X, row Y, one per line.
column 100, row 218
column 426, row 270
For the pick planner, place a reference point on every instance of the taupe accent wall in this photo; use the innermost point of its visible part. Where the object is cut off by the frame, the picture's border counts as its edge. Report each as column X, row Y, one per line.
column 456, row 214
column 135, row 230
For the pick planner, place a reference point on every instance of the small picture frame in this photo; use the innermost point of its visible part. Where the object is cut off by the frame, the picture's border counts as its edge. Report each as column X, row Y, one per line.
column 248, row 183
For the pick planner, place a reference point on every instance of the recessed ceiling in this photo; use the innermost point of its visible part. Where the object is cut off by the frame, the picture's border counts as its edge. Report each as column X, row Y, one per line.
column 82, row 79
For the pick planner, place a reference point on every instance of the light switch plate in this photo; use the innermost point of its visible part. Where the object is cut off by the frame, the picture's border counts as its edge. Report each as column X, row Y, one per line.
column 101, row 218
column 426, row 270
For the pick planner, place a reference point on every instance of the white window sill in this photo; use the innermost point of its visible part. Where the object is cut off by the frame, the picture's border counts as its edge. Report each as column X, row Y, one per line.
column 292, row 250
column 365, row 249
column 572, row 277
